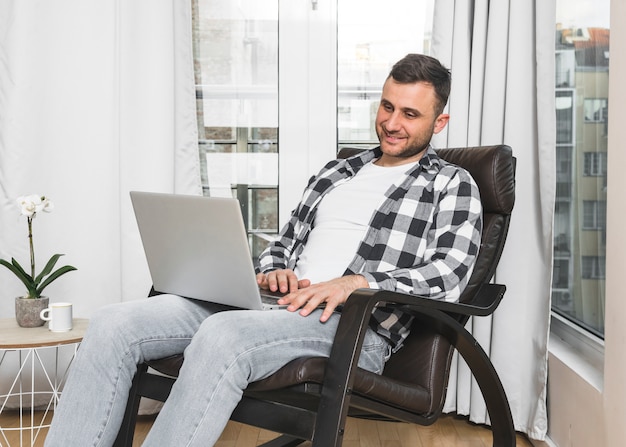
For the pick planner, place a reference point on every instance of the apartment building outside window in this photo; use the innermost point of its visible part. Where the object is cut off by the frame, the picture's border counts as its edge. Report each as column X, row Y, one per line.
column 581, row 79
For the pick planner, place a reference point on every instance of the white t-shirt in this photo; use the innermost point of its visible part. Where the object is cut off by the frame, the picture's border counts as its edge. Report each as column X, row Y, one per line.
column 342, row 219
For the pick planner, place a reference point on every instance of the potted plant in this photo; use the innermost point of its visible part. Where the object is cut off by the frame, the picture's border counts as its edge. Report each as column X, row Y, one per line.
column 28, row 307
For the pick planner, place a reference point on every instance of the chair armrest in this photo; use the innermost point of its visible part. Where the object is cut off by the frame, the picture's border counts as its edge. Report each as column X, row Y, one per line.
column 354, row 322
column 485, row 301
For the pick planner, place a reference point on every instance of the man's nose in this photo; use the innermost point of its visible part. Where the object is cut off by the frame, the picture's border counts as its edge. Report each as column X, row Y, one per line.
column 393, row 122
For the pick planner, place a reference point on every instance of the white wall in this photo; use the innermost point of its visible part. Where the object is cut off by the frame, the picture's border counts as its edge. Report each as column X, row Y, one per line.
column 582, row 411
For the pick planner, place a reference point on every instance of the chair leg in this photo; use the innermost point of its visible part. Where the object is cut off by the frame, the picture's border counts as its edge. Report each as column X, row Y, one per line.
column 283, row 441
column 127, row 429
column 483, row 371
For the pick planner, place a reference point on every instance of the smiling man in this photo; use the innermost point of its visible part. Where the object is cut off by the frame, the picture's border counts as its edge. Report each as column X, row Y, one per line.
column 395, row 217
column 408, row 115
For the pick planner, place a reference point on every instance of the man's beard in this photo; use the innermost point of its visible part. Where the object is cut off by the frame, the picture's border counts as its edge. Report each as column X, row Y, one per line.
column 413, row 149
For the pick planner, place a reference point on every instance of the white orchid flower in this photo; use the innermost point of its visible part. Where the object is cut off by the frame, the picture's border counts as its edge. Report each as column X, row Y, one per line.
column 29, row 204
column 48, row 205
column 34, row 203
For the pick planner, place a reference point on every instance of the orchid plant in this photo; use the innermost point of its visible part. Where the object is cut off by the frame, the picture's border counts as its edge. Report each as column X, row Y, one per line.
column 29, row 207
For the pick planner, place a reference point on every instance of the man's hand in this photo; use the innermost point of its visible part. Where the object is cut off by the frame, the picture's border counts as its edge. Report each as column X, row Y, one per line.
column 334, row 293
column 301, row 294
column 283, row 281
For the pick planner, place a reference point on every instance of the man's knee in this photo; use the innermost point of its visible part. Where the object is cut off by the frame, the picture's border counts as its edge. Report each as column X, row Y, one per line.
column 113, row 321
column 217, row 330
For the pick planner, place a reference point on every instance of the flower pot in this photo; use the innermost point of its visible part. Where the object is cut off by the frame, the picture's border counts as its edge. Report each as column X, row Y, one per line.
column 27, row 310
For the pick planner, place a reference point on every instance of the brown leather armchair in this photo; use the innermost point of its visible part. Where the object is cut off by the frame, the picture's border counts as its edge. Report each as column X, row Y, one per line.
column 310, row 398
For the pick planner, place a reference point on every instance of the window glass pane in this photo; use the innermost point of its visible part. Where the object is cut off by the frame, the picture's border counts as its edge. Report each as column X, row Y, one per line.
column 236, row 69
column 582, row 75
column 370, row 40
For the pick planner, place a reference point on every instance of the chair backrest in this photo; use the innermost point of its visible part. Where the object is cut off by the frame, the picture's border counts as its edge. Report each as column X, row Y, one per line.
column 493, row 169
column 425, row 359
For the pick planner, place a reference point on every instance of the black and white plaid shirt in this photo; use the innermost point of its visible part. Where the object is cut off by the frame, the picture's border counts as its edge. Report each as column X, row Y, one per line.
column 423, row 240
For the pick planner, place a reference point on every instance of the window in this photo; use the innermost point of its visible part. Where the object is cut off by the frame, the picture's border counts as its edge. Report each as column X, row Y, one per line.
column 595, row 110
column 236, row 59
column 236, row 69
column 593, row 267
column 594, row 215
column 370, row 40
column 564, row 115
column 564, row 172
column 581, row 76
column 594, row 164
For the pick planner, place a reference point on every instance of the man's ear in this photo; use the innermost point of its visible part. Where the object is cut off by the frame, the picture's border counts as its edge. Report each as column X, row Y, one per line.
column 440, row 122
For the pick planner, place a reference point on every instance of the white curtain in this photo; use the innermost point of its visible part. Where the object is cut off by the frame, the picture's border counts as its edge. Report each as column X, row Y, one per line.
column 501, row 55
column 96, row 99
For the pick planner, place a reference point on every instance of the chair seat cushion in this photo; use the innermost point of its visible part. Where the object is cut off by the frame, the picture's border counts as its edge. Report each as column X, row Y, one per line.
column 311, row 370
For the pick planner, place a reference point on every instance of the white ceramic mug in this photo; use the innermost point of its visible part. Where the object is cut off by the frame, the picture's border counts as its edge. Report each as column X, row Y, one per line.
column 59, row 316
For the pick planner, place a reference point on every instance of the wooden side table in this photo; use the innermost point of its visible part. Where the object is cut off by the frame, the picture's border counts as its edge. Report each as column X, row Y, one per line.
column 26, row 346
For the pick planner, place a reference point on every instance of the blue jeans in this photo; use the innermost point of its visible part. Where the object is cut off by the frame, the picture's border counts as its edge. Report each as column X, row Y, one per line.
column 224, row 351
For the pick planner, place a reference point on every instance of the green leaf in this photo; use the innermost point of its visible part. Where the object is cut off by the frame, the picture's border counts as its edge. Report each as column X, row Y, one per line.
column 21, row 270
column 48, row 268
column 63, row 270
column 21, row 275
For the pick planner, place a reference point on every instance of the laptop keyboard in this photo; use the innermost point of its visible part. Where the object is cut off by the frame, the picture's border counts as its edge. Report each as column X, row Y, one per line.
column 269, row 298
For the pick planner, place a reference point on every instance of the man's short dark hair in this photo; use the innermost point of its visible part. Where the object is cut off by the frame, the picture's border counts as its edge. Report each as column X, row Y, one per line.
column 421, row 68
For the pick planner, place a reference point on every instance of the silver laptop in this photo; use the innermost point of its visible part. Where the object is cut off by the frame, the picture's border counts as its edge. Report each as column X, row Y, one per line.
column 197, row 247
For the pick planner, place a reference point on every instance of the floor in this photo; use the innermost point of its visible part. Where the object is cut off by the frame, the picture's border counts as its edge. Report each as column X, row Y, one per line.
column 447, row 432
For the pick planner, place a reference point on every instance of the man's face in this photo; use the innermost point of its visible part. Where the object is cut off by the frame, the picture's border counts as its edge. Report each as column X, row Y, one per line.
column 406, row 121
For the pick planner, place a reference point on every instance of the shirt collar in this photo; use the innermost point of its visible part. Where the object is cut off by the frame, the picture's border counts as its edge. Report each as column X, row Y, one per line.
column 430, row 159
